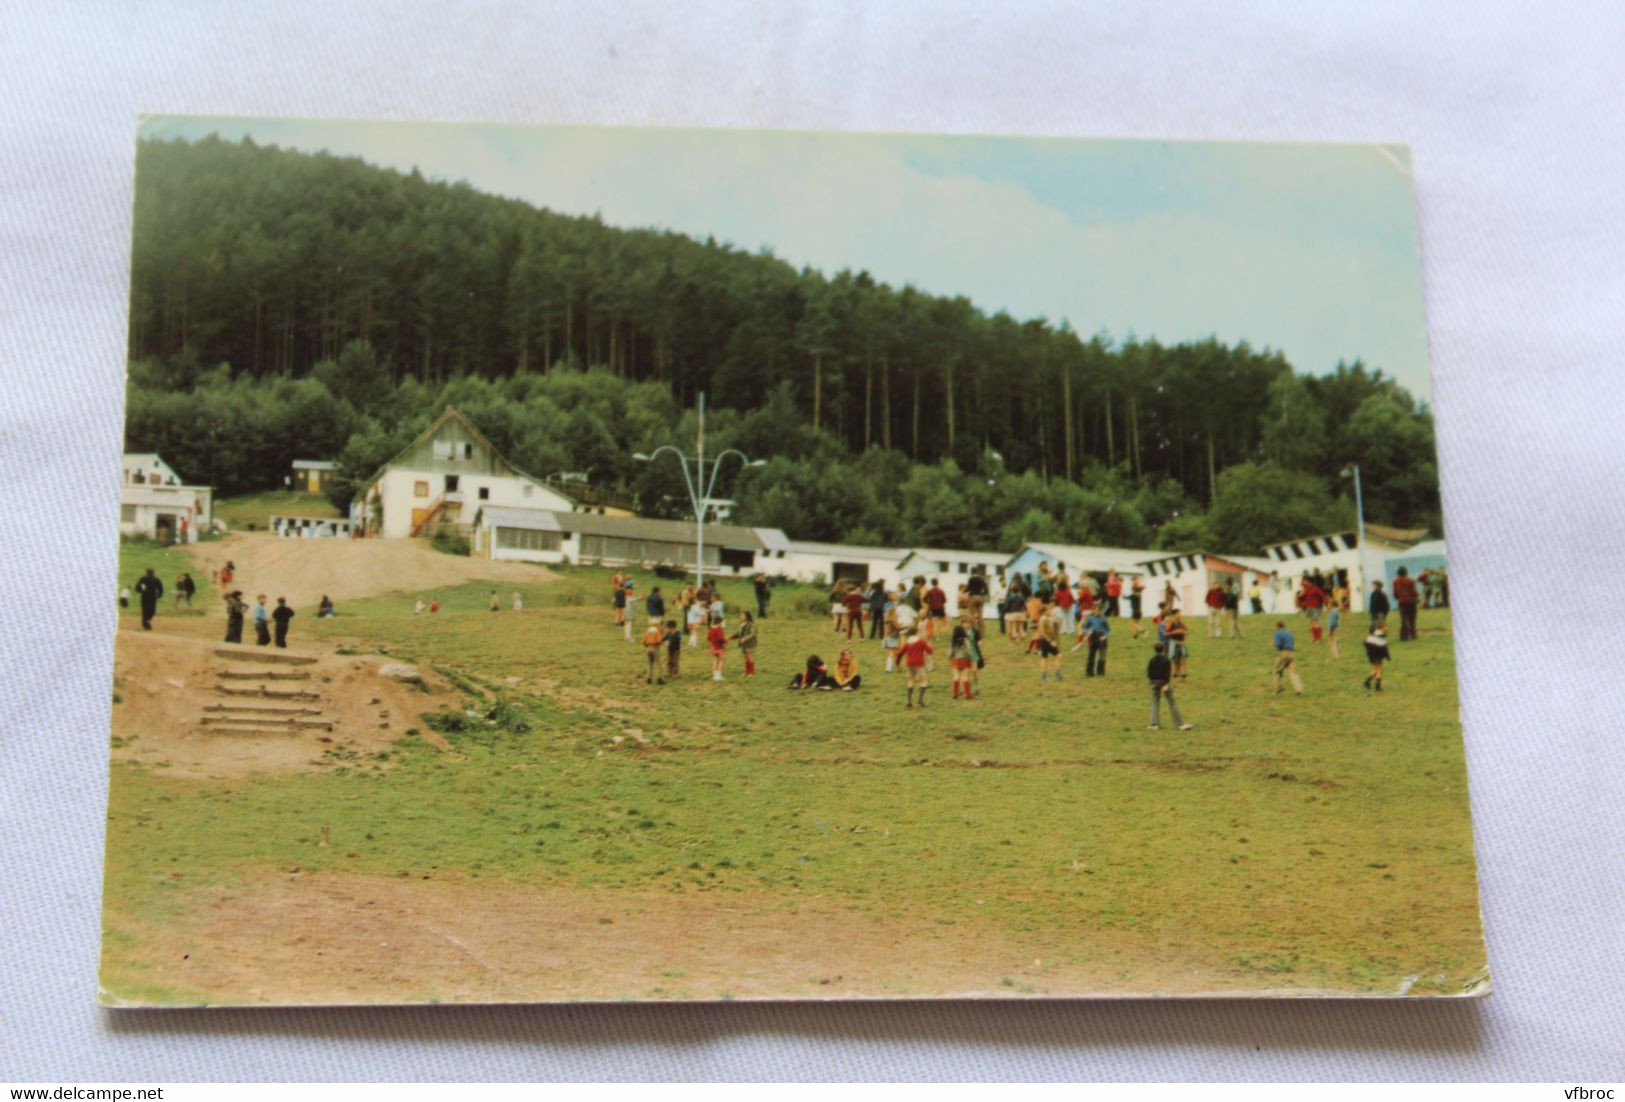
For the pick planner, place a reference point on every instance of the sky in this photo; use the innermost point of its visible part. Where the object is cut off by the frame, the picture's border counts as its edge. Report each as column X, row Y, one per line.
column 1307, row 248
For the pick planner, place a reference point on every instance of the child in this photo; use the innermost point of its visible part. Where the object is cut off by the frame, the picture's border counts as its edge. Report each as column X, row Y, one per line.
column 1049, row 643
column 620, row 602
column 813, row 676
column 674, row 647
column 717, row 637
column 914, row 652
column 746, row 638
column 1159, row 671
column 1376, row 649
column 973, row 635
column 1174, row 630
column 1334, row 617
column 1100, row 631
column 962, row 658
column 1015, row 615
column 124, row 597
column 496, row 606
column 1286, row 659
column 280, row 616
column 696, row 620
column 518, row 602
column 421, row 605
column 845, row 676
column 892, row 639
column 1136, row 603
column 434, row 605
column 652, row 638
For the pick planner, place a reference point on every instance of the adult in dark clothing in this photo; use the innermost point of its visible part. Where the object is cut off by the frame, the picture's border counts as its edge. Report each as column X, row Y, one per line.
column 281, row 615
column 188, row 589
column 149, row 588
column 877, row 609
column 235, row 609
column 1378, row 606
column 655, row 604
column 1405, row 598
column 763, row 595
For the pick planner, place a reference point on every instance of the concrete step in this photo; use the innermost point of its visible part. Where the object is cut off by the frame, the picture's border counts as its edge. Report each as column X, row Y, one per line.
column 261, row 654
column 267, row 710
column 265, row 721
column 261, row 675
column 268, row 694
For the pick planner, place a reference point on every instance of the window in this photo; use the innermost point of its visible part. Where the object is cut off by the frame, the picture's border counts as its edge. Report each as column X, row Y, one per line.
column 468, row 451
column 420, row 489
column 485, row 493
column 451, row 483
column 528, row 539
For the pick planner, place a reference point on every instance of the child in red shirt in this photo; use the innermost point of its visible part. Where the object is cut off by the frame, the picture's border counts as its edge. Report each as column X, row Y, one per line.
column 915, row 648
column 717, row 637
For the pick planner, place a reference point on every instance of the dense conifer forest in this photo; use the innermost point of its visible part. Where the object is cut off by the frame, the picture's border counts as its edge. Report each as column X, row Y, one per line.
column 287, row 305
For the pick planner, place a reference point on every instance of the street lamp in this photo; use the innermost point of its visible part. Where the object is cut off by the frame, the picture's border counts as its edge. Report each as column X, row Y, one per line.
column 1353, row 471
column 699, row 484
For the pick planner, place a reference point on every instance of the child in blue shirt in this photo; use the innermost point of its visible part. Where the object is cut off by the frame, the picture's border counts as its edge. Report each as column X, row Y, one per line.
column 1286, row 659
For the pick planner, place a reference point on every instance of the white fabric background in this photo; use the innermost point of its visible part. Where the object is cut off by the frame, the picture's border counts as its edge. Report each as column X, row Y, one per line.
column 1517, row 117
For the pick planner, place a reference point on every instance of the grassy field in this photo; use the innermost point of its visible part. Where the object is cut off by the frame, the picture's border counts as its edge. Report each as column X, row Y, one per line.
column 240, row 513
column 168, row 563
column 1300, row 843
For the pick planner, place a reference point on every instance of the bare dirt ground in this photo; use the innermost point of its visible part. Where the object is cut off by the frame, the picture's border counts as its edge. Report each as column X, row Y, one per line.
column 167, row 683
column 304, row 570
column 326, row 938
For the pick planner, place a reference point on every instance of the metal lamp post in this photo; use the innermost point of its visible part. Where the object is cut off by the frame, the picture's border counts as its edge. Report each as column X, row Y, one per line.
column 1353, row 471
column 699, row 483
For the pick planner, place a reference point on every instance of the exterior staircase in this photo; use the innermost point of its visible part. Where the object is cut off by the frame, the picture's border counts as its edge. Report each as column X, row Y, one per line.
column 273, row 698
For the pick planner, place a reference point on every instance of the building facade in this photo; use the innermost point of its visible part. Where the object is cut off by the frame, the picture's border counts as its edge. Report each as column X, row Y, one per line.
column 155, row 504
column 553, row 536
column 440, row 481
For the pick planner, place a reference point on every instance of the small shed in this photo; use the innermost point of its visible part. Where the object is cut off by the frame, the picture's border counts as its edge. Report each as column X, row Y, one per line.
column 313, row 476
column 826, row 563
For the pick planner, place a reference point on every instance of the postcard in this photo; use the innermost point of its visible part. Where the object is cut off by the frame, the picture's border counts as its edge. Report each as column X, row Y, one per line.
column 569, row 564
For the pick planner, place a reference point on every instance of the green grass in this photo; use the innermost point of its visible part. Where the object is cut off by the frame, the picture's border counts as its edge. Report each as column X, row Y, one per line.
column 239, row 513
column 169, row 563
column 1320, row 841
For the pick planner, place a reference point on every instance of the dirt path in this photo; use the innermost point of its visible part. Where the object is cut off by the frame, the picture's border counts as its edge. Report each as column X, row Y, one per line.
column 330, row 938
column 304, row 570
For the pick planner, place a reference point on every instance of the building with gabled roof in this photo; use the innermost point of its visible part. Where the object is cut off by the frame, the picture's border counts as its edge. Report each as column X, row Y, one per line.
column 156, row 504
column 1190, row 574
column 952, row 569
column 443, row 478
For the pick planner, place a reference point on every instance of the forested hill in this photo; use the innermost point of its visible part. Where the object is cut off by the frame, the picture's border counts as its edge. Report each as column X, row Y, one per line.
column 349, row 302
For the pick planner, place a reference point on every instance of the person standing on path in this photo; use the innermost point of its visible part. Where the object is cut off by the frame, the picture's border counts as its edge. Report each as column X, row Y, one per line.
column 149, row 589
column 1159, row 672
column 282, row 615
column 262, row 622
column 1405, row 598
column 1286, row 659
column 234, row 616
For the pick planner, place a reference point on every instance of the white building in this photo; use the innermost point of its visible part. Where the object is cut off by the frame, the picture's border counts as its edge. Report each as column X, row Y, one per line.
column 155, row 504
column 827, row 563
column 953, row 569
column 1338, row 554
column 443, row 478
column 1190, row 575
column 1077, row 561
column 554, row 536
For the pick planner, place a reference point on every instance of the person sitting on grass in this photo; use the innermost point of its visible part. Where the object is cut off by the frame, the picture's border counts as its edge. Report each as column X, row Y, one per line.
column 962, row 657
column 324, row 610
column 1286, row 659
column 717, row 639
column 845, row 675
column 811, row 677
column 746, row 638
column 1159, row 672
column 1376, row 649
column 653, row 637
column 915, row 648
